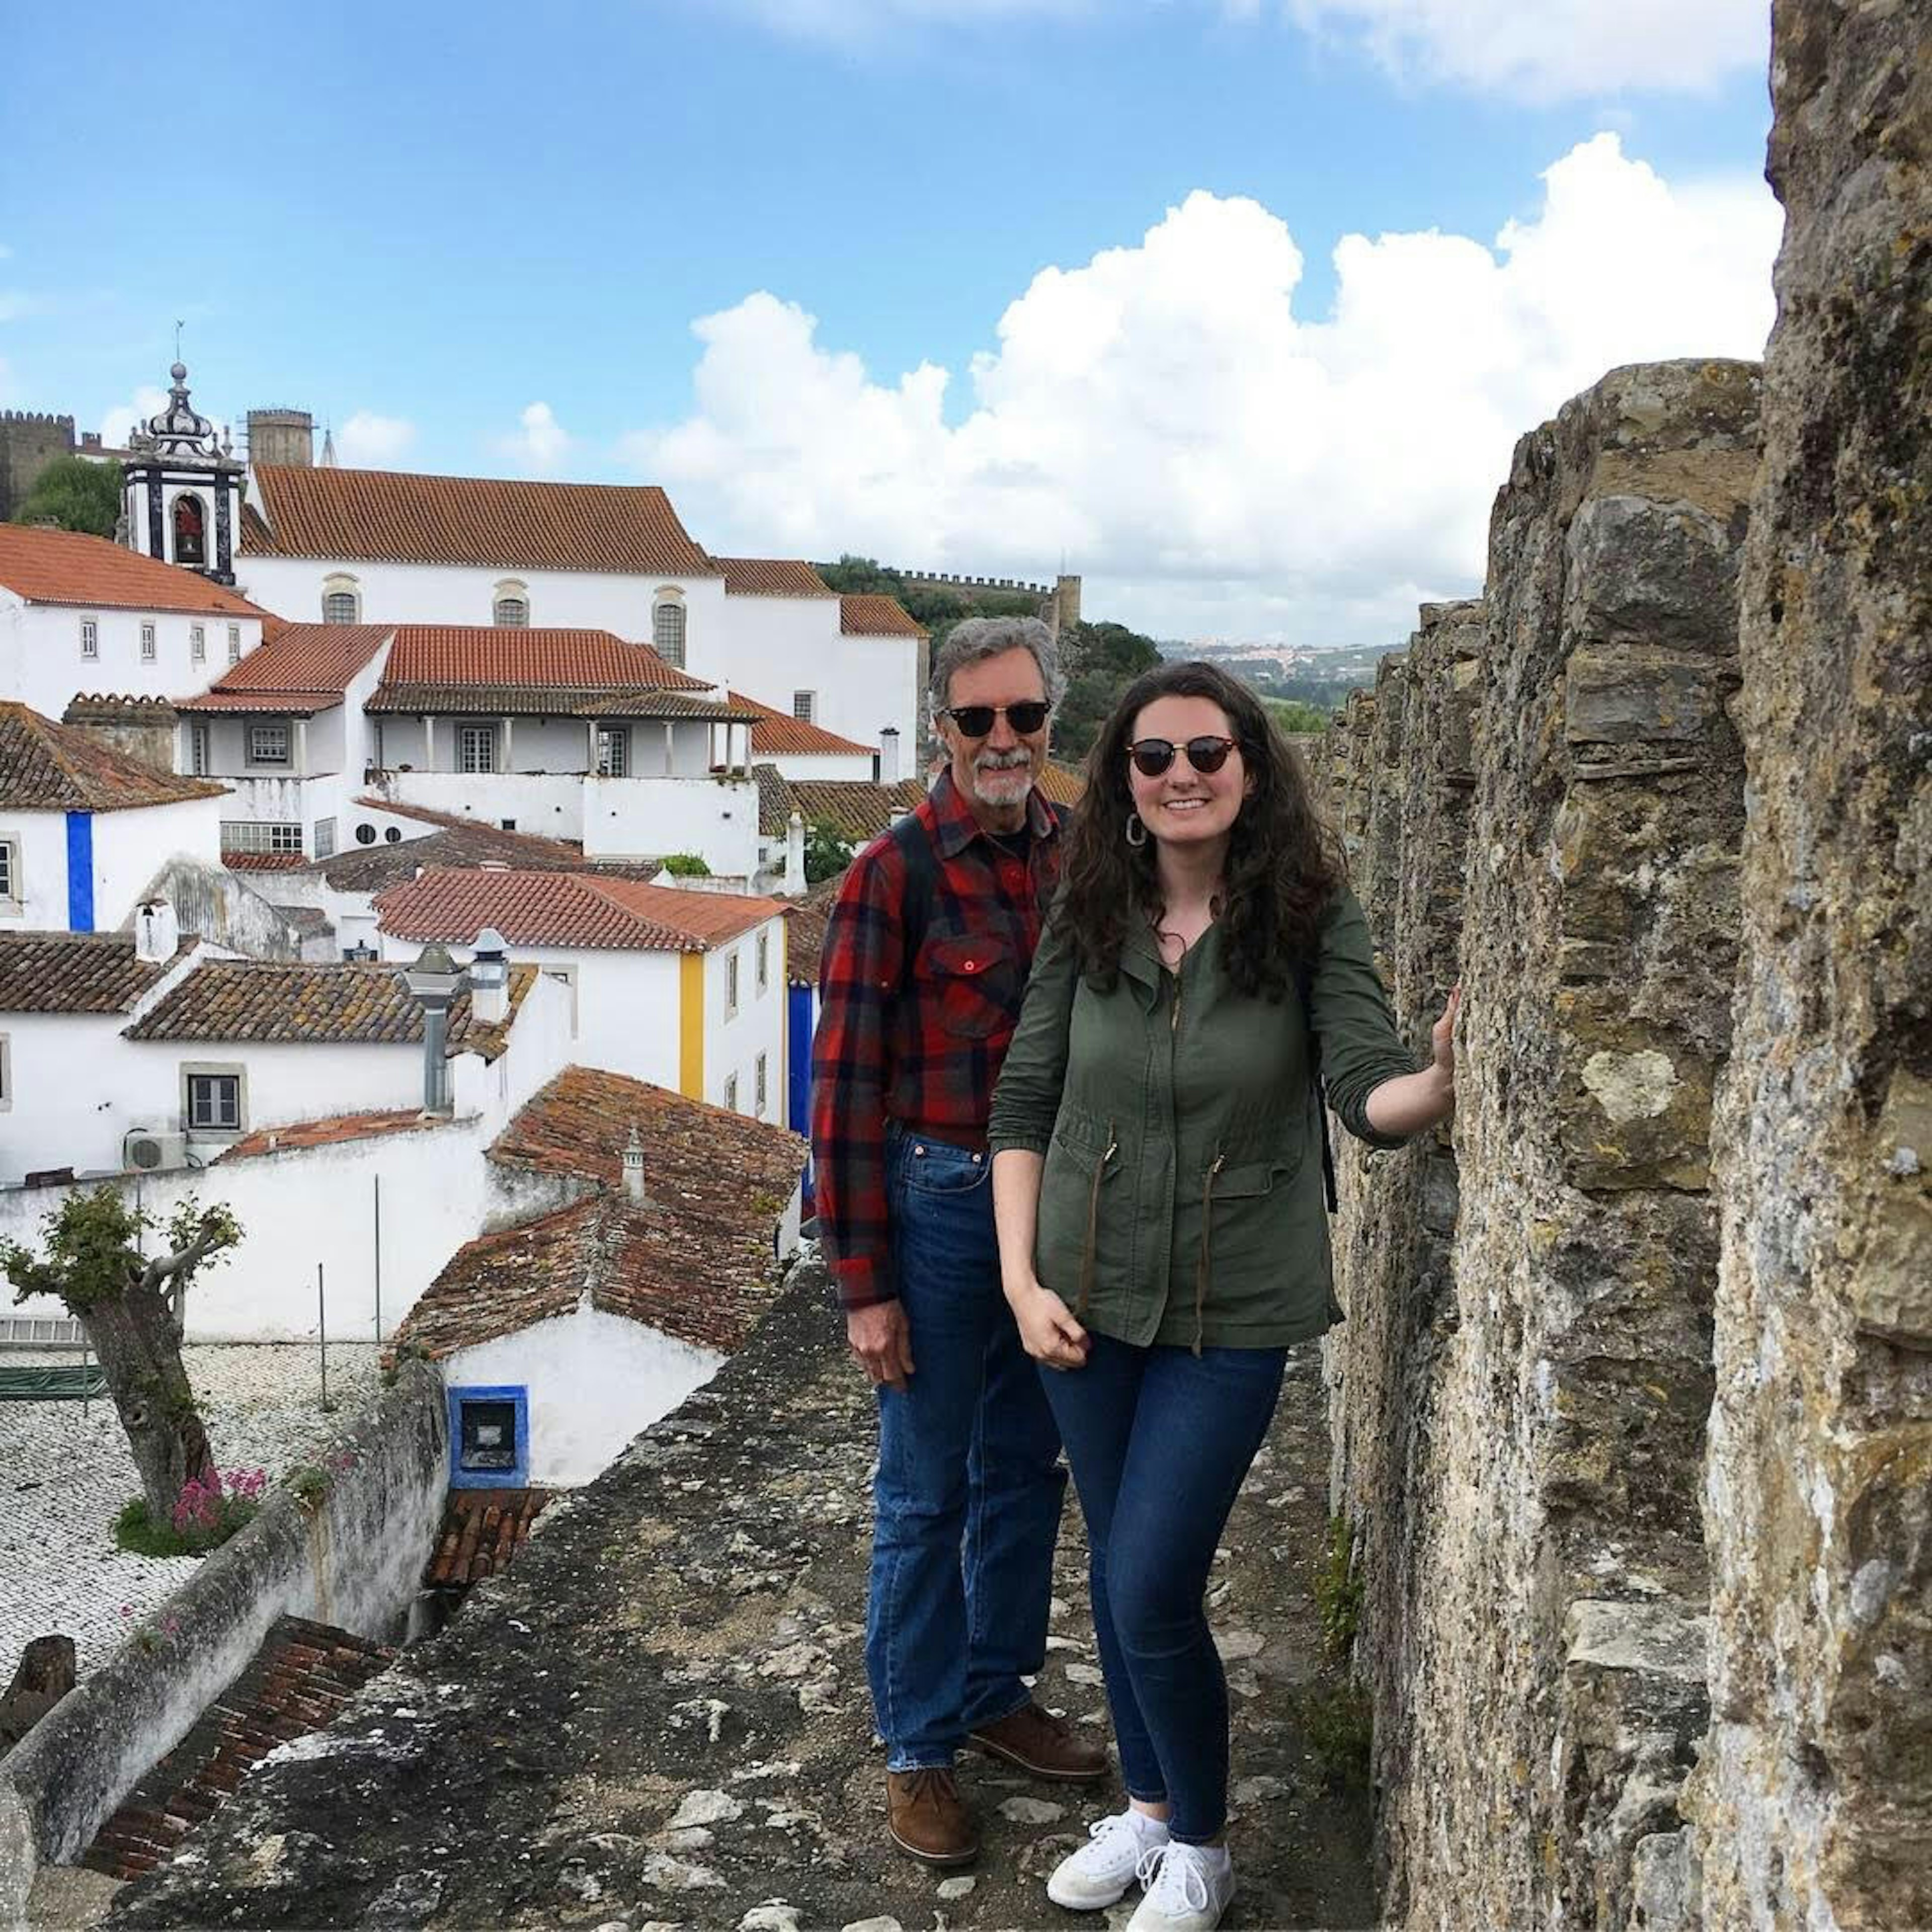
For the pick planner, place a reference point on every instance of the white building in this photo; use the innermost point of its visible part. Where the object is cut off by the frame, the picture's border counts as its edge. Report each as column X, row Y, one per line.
column 78, row 614
column 577, row 1327
column 84, row 829
column 684, row 989
column 376, row 546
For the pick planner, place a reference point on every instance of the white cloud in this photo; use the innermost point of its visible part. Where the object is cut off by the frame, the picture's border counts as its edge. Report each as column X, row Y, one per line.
column 1553, row 49
column 367, row 441
column 1210, row 461
column 539, row 447
column 118, row 419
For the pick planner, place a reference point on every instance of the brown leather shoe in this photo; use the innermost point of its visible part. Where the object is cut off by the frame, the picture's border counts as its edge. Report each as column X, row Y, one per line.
column 1038, row 1742
column 928, row 1819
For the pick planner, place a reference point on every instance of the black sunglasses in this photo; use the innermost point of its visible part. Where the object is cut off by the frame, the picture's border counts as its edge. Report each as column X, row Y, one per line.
column 1152, row 756
column 976, row 720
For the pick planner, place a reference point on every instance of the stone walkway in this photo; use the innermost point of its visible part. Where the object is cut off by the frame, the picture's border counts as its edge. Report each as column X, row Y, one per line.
column 65, row 1475
column 657, row 1717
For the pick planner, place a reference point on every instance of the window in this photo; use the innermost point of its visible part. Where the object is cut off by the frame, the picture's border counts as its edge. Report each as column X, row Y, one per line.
column 235, row 644
column 325, row 838
column 764, row 960
column 759, row 1110
column 376, row 744
column 489, row 1437
column 214, row 1099
column 341, row 599
column 147, row 643
column 260, row 835
column 365, row 834
column 476, row 748
column 90, row 637
column 566, row 975
column 667, row 627
column 613, row 751
column 268, row 744
column 197, row 643
column 731, row 1093
column 9, row 874
column 197, row 749
column 731, row 984
column 510, row 604
column 805, row 706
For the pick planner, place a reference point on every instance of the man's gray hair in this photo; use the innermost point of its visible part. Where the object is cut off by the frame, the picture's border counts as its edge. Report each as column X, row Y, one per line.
column 977, row 638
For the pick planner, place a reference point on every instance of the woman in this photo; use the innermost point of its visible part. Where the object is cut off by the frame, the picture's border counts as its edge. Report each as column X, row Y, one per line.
column 1163, row 1234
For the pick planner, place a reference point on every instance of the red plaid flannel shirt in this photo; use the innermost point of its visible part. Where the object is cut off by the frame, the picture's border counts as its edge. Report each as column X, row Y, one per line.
column 923, row 1044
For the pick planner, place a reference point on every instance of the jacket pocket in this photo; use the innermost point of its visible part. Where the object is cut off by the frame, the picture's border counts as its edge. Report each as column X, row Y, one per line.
column 977, row 982
column 1066, row 1248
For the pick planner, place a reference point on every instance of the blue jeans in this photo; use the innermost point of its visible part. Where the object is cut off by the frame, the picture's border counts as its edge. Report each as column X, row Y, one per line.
column 1160, row 1440
column 970, row 1483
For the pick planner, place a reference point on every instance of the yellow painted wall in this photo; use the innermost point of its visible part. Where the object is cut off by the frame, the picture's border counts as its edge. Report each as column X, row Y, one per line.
column 690, row 1026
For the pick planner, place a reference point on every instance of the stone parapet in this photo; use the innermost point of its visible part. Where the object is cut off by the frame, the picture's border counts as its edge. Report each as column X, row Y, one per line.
column 1813, row 1797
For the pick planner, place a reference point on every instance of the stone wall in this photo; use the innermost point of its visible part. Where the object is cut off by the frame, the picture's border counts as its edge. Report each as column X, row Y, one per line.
column 1520, row 1418
column 141, row 728
column 1814, row 1800
column 28, row 442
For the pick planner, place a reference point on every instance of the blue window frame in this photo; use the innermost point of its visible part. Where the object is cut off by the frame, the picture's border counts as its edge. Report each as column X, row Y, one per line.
column 490, row 1438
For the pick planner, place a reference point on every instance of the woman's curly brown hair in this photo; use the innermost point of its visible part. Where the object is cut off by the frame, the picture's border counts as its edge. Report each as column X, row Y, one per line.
column 1283, row 864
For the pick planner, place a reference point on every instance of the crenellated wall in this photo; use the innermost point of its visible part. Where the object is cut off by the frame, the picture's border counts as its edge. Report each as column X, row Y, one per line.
column 1814, row 1800
column 1633, row 1412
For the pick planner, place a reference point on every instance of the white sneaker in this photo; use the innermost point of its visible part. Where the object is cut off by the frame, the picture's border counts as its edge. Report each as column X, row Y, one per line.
column 1188, row 1889
column 1103, row 1867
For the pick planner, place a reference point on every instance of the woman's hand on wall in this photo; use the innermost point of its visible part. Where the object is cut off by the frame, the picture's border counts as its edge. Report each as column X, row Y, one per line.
column 1047, row 1330
column 1411, row 1102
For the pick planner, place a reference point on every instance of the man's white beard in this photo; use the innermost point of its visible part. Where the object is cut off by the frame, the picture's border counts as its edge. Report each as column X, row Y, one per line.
column 1003, row 784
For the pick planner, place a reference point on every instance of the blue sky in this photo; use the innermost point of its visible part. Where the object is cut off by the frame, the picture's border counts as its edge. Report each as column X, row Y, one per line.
column 478, row 239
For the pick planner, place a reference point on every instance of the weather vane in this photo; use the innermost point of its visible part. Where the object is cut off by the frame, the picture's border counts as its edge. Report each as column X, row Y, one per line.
column 178, row 330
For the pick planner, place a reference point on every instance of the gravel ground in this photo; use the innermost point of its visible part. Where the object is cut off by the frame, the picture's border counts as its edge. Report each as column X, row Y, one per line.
column 64, row 1477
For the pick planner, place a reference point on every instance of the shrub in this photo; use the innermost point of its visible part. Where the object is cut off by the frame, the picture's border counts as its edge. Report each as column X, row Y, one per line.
column 686, row 865
column 207, row 1512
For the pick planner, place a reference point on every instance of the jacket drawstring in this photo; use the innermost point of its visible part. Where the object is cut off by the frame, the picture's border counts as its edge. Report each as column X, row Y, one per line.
column 1201, row 1266
column 1087, row 1266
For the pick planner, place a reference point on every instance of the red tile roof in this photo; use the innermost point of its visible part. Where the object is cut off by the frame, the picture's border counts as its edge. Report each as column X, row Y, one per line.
column 344, row 1003
column 805, row 920
column 695, row 1262
column 499, row 654
column 72, row 972
column 391, row 516
column 862, row 614
column 299, row 659
column 263, row 861
column 90, row 573
column 574, row 909
column 774, row 733
column 771, row 577
column 482, row 1530
column 327, row 1132
column 48, row 767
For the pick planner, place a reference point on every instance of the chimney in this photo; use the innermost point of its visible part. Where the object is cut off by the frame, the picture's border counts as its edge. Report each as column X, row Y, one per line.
column 889, row 755
column 633, row 1171
column 489, row 978
column 792, row 887
column 156, row 932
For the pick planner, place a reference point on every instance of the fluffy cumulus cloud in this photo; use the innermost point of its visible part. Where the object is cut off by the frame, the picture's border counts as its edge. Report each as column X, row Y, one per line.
column 367, row 441
column 540, row 444
column 118, row 419
column 1553, row 49
column 1213, row 462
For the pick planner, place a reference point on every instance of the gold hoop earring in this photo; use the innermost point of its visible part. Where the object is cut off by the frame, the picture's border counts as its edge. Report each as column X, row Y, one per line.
column 1137, row 833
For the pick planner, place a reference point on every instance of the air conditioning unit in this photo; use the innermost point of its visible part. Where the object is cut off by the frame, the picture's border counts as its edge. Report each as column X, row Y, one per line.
column 144, row 1151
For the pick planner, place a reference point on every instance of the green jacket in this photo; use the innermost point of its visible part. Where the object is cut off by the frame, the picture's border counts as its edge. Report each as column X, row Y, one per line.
column 1182, row 1200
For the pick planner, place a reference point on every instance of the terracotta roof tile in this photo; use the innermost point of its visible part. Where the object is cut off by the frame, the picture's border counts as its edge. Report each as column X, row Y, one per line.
column 862, row 614
column 263, row 861
column 588, row 660
column 695, row 1262
column 855, row 810
column 301, row 658
column 454, row 842
column 48, row 767
column 277, row 704
column 327, row 1132
column 550, row 701
column 398, row 517
column 341, row 1003
column 577, row 909
column 774, row 800
column 90, row 573
column 482, row 1531
column 805, row 920
column 776, row 733
column 771, row 577
column 1063, row 784
column 72, row 972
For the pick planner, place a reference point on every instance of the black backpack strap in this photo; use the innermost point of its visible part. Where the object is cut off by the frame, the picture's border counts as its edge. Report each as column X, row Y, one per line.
column 1304, row 980
column 922, row 878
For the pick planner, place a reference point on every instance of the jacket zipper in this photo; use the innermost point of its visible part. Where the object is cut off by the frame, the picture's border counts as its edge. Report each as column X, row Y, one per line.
column 1207, row 1226
column 1088, row 1266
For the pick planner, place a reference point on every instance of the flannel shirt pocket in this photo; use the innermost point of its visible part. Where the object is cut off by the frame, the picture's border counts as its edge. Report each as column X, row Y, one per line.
column 977, row 979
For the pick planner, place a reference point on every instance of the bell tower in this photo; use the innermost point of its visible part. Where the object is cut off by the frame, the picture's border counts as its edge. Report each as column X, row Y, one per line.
column 181, row 498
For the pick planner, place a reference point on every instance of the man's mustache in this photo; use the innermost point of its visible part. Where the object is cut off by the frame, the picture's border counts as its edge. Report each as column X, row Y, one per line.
column 1001, row 761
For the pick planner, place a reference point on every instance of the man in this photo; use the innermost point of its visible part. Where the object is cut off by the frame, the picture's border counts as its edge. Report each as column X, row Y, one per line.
column 924, row 963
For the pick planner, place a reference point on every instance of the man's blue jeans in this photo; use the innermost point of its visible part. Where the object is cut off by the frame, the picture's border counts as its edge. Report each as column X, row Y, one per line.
column 970, row 1483
column 1160, row 1440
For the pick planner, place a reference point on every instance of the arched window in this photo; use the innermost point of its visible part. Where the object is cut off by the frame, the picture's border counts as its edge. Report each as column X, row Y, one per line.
column 510, row 603
column 667, row 625
column 341, row 599
column 190, row 530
